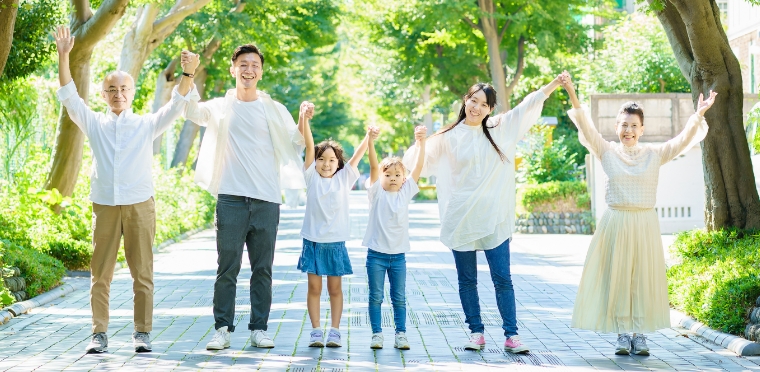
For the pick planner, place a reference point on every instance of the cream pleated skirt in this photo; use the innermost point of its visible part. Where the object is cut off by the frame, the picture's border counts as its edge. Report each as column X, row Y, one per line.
column 624, row 286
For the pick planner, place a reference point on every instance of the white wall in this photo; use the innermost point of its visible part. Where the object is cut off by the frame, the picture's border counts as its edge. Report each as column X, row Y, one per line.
column 743, row 17
column 680, row 193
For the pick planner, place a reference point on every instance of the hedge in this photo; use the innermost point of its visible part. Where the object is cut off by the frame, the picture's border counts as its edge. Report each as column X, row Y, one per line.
column 556, row 196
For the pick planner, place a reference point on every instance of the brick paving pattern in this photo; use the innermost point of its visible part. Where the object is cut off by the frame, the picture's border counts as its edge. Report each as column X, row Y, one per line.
column 545, row 271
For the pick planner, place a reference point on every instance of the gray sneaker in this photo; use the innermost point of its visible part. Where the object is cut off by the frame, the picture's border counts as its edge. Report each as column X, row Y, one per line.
column 315, row 338
column 639, row 345
column 141, row 341
column 333, row 338
column 623, row 345
column 98, row 343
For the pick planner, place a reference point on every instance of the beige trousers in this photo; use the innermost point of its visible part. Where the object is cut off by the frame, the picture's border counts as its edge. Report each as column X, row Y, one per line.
column 137, row 223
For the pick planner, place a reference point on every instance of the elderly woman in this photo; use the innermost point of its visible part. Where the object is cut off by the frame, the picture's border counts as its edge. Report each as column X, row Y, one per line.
column 623, row 288
column 473, row 161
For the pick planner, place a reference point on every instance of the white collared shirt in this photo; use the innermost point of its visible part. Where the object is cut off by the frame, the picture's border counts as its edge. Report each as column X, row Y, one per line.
column 122, row 146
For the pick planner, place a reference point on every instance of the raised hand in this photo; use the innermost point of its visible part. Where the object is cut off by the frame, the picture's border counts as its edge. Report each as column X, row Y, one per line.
column 63, row 40
column 703, row 105
column 373, row 132
column 189, row 61
column 306, row 110
column 420, row 133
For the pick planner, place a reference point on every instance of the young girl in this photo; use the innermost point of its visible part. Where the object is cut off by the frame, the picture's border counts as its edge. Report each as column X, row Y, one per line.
column 387, row 237
column 473, row 161
column 623, row 287
column 326, row 225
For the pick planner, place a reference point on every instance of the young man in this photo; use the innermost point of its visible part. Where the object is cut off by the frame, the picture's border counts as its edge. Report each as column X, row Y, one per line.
column 250, row 151
column 121, row 186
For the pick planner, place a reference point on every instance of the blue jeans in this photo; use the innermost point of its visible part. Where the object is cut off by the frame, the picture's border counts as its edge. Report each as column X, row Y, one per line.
column 467, row 275
column 395, row 265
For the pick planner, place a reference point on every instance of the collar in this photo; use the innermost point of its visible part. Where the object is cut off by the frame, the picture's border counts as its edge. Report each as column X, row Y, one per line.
column 124, row 113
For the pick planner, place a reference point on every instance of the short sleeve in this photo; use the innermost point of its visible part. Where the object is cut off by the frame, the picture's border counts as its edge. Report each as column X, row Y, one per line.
column 349, row 174
column 409, row 189
column 308, row 174
column 373, row 191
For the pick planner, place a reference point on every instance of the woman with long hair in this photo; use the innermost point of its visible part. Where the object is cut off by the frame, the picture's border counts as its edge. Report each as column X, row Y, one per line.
column 473, row 161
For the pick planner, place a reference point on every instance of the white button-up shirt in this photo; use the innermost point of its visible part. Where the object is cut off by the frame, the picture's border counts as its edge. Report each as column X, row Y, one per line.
column 122, row 146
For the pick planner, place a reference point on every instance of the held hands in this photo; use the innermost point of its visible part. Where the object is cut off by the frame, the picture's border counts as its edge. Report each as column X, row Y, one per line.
column 189, row 61
column 420, row 134
column 703, row 105
column 63, row 40
column 566, row 81
column 306, row 110
column 373, row 132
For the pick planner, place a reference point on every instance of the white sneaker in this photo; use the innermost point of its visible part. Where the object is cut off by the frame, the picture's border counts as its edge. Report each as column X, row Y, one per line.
column 476, row 342
column 260, row 339
column 639, row 345
column 623, row 346
column 220, row 341
column 377, row 341
column 401, row 342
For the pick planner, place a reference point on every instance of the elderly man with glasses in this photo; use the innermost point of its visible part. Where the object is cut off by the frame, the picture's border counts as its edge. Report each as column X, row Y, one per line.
column 121, row 186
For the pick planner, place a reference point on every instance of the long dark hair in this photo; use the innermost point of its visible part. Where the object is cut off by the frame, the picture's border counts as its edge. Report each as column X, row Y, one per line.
column 490, row 93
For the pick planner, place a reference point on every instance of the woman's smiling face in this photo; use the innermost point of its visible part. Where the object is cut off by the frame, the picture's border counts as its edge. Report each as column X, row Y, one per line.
column 476, row 108
column 629, row 128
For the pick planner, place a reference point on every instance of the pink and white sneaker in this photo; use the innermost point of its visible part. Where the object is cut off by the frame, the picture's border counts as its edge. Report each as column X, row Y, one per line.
column 513, row 345
column 477, row 342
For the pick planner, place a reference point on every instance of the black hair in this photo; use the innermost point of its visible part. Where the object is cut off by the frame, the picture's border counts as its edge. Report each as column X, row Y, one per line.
column 490, row 93
column 245, row 49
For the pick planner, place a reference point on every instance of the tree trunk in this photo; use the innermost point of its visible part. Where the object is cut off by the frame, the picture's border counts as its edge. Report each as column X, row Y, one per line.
column 165, row 82
column 427, row 119
column 189, row 129
column 707, row 61
column 8, row 12
column 490, row 31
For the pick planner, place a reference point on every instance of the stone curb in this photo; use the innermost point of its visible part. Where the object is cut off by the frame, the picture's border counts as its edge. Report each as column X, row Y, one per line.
column 738, row 345
column 23, row 307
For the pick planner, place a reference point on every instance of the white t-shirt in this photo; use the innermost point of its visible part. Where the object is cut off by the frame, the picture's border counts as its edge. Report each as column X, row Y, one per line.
column 326, row 219
column 388, row 225
column 250, row 167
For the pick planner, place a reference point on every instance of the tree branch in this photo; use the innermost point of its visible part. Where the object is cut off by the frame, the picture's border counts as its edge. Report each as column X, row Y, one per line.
column 82, row 11
column 166, row 25
column 98, row 26
column 678, row 36
column 520, row 64
column 509, row 21
column 471, row 23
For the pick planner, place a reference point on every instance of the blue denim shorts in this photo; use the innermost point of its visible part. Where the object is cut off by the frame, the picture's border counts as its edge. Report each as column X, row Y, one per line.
column 329, row 259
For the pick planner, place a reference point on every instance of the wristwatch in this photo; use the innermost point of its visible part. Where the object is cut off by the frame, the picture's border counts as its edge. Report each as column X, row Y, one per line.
column 188, row 75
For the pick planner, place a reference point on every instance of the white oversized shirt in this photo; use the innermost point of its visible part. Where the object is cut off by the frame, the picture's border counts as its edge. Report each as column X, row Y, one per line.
column 326, row 219
column 122, row 146
column 388, row 225
column 476, row 189
column 249, row 168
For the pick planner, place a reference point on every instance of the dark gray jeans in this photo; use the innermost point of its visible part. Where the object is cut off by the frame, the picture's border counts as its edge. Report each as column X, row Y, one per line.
column 241, row 220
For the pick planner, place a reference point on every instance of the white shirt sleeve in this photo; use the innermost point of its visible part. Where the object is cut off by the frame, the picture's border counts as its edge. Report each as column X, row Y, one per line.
column 166, row 115
column 694, row 132
column 308, row 174
column 299, row 143
column 198, row 112
column 409, row 189
column 373, row 191
column 349, row 175
column 587, row 133
column 511, row 126
column 78, row 111
column 436, row 146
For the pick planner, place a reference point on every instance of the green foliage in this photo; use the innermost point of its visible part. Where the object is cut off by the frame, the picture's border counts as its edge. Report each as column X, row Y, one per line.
column 753, row 126
column 32, row 44
column 180, row 204
column 427, row 194
column 17, row 118
column 542, row 162
column 74, row 254
column 556, row 196
column 40, row 271
column 718, row 279
column 636, row 58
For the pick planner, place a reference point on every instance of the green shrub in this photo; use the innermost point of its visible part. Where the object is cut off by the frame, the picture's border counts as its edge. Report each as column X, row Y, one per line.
column 753, row 123
column 718, row 279
column 427, row 194
column 557, row 196
column 75, row 254
column 40, row 271
column 180, row 204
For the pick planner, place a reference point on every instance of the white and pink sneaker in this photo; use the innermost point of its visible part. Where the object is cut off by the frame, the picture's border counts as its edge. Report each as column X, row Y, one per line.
column 477, row 342
column 513, row 345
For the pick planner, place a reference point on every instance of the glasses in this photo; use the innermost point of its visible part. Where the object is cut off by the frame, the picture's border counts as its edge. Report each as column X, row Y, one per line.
column 114, row 90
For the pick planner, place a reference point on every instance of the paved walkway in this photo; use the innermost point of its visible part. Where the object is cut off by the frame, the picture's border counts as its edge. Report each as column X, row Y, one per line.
column 546, row 271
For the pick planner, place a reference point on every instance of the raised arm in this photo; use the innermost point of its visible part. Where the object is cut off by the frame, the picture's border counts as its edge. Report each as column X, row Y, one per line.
column 164, row 118
column 694, row 132
column 587, row 133
column 360, row 150
column 64, row 42
column 78, row 111
column 305, row 114
column 420, row 135
column 374, row 169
